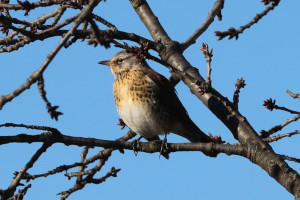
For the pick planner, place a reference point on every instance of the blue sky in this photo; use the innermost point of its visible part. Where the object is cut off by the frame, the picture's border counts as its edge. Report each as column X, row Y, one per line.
column 266, row 56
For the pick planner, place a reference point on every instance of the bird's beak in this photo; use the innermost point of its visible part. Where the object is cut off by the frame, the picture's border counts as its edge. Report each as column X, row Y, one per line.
column 105, row 62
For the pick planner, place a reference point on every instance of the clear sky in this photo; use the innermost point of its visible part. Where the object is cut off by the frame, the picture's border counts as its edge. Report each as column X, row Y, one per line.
column 266, row 56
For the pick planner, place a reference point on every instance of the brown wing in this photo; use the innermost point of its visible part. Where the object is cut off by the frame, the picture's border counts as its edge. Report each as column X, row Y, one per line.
column 168, row 97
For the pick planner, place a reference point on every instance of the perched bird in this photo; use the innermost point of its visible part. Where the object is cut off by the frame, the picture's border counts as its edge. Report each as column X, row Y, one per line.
column 147, row 102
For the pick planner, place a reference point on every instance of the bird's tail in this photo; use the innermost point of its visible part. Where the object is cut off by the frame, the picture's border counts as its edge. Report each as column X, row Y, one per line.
column 191, row 132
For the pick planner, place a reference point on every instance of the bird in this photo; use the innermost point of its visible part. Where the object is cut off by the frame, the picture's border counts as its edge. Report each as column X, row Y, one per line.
column 147, row 102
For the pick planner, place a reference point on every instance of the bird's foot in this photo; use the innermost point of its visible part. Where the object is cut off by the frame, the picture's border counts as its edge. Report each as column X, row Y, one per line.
column 121, row 123
column 164, row 149
column 136, row 144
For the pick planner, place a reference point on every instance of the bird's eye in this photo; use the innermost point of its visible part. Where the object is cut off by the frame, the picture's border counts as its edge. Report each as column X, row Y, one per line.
column 120, row 60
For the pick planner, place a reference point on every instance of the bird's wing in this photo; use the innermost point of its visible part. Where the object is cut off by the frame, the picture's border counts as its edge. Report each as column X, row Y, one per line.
column 167, row 96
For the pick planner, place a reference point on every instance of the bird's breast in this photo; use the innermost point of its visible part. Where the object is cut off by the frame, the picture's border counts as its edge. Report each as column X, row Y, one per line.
column 135, row 98
column 132, row 88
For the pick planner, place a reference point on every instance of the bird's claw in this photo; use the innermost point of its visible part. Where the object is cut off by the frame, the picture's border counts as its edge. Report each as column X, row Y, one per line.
column 121, row 123
column 135, row 145
column 164, row 149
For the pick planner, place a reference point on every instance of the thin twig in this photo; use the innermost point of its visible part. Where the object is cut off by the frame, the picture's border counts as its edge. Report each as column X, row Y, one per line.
column 13, row 185
column 216, row 10
column 103, row 21
column 111, row 173
column 44, row 128
column 36, row 75
column 287, row 110
column 208, row 54
column 97, row 38
column 232, row 32
column 84, row 162
column 278, row 137
column 21, row 193
column 270, row 104
column 89, row 179
column 51, row 109
column 60, row 25
column 265, row 134
column 81, row 168
column 40, row 20
column 295, row 96
column 60, row 12
column 297, row 160
column 240, row 83
column 44, row 3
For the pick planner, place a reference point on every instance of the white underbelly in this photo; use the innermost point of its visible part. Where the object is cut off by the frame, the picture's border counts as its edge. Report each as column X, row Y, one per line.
column 142, row 121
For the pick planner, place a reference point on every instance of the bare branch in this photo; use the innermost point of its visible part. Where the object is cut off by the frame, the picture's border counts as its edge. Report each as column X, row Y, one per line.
column 297, row 160
column 58, row 26
column 84, row 162
column 278, row 137
column 271, row 104
column 216, row 10
column 44, row 128
column 21, row 193
column 240, row 83
column 150, row 20
column 111, row 173
column 81, row 168
column 105, row 154
column 24, row 40
column 265, row 134
column 61, row 10
column 208, row 55
column 232, row 32
column 149, row 147
column 20, row 6
column 51, row 109
column 36, row 75
column 13, row 185
column 295, row 96
column 97, row 38
column 79, row 185
column 103, row 21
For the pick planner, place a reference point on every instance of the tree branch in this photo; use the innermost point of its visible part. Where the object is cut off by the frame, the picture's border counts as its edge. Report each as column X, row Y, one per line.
column 295, row 96
column 270, row 104
column 240, row 83
column 277, row 128
column 19, row 6
column 219, row 105
column 232, row 32
column 208, row 54
column 149, row 147
column 278, row 137
column 13, row 185
column 36, row 75
column 297, row 160
column 51, row 109
column 218, row 6
column 105, row 154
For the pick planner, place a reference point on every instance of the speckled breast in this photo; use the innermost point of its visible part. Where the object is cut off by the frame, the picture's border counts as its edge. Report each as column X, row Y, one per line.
column 137, row 103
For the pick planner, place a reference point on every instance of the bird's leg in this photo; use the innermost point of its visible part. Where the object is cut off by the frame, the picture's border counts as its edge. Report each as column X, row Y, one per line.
column 121, row 123
column 164, row 150
column 136, row 144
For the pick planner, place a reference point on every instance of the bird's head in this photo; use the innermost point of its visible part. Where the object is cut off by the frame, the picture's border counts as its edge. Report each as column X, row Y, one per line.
column 123, row 61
